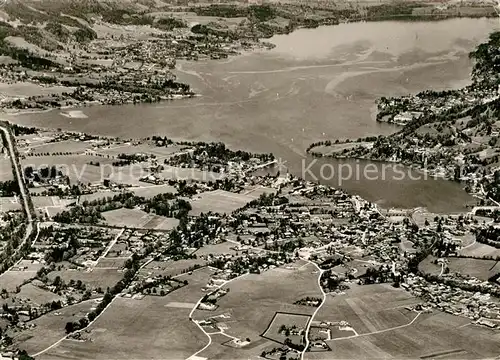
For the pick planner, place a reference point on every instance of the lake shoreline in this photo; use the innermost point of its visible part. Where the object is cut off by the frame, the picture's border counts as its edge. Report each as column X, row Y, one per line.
column 247, row 107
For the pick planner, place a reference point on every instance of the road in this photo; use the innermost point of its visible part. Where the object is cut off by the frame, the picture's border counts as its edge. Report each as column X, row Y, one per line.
column 323, row 295
column 111, row 244
column 17, row 171
column 195, row 355
column 22, row 186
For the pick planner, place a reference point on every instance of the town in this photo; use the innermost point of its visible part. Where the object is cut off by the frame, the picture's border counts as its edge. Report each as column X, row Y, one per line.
column 124, row 222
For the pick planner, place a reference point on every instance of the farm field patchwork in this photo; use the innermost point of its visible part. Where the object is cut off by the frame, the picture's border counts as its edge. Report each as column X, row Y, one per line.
column 435, row 335
column 136, row 329
column 369, row 308
column 253, row 300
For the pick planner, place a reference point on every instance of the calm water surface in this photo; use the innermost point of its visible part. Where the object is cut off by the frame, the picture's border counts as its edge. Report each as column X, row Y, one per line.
column 316, row 84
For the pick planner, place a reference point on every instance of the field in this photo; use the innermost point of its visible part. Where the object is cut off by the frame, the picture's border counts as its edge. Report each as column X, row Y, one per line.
column 94, row 279
column 75, row 166
column 152, row 328
column 222, row 248
column 219, row 201
column 18, row 89
column 427, row 266
column 5, row 168
column 134, row 218
column 9, row 204
column 368, row 308
column 50, row 327
column 480, row 250
column 97, row 196
column 51, row 205
column 288, row 320
column 136, row 329
column 45, row 201
column 171, row 268
column 256, row 192
column 161, row 153
column 177, row 173
column 35, row 295
column 71, row 146
column 481, row 269
column 191, row 293
column 13, row 278
column 129, row 174
column 436, row 335
column 385, row 328
column 110, row 263
column 153, row 190
column 253, row 300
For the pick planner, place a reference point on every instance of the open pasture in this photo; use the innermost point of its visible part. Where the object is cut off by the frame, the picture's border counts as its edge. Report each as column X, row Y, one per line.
column 51, row 201
column 126, row 217
column 97, row 278
column 111, row 263
column 15, row 277
column 135, row 218
column 36, row 295
column 97, row 196
column 136, row 329
column 128, row 174
column 170, row 267
column 219, row 201
column 150, row 191
column 71, row 146
column 481, row 269
column 161, row 153
column 6, row 173
column 436, row 335
column 196, row 287
column 427, row 266
column 253, row 299
column 223, row 347
column 478, row 268
column 369, row 308
column 480, row 250
column 49, row 328
column 10, row 204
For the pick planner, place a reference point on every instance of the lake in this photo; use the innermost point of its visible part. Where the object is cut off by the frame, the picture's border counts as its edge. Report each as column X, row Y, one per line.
column 315, row 84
